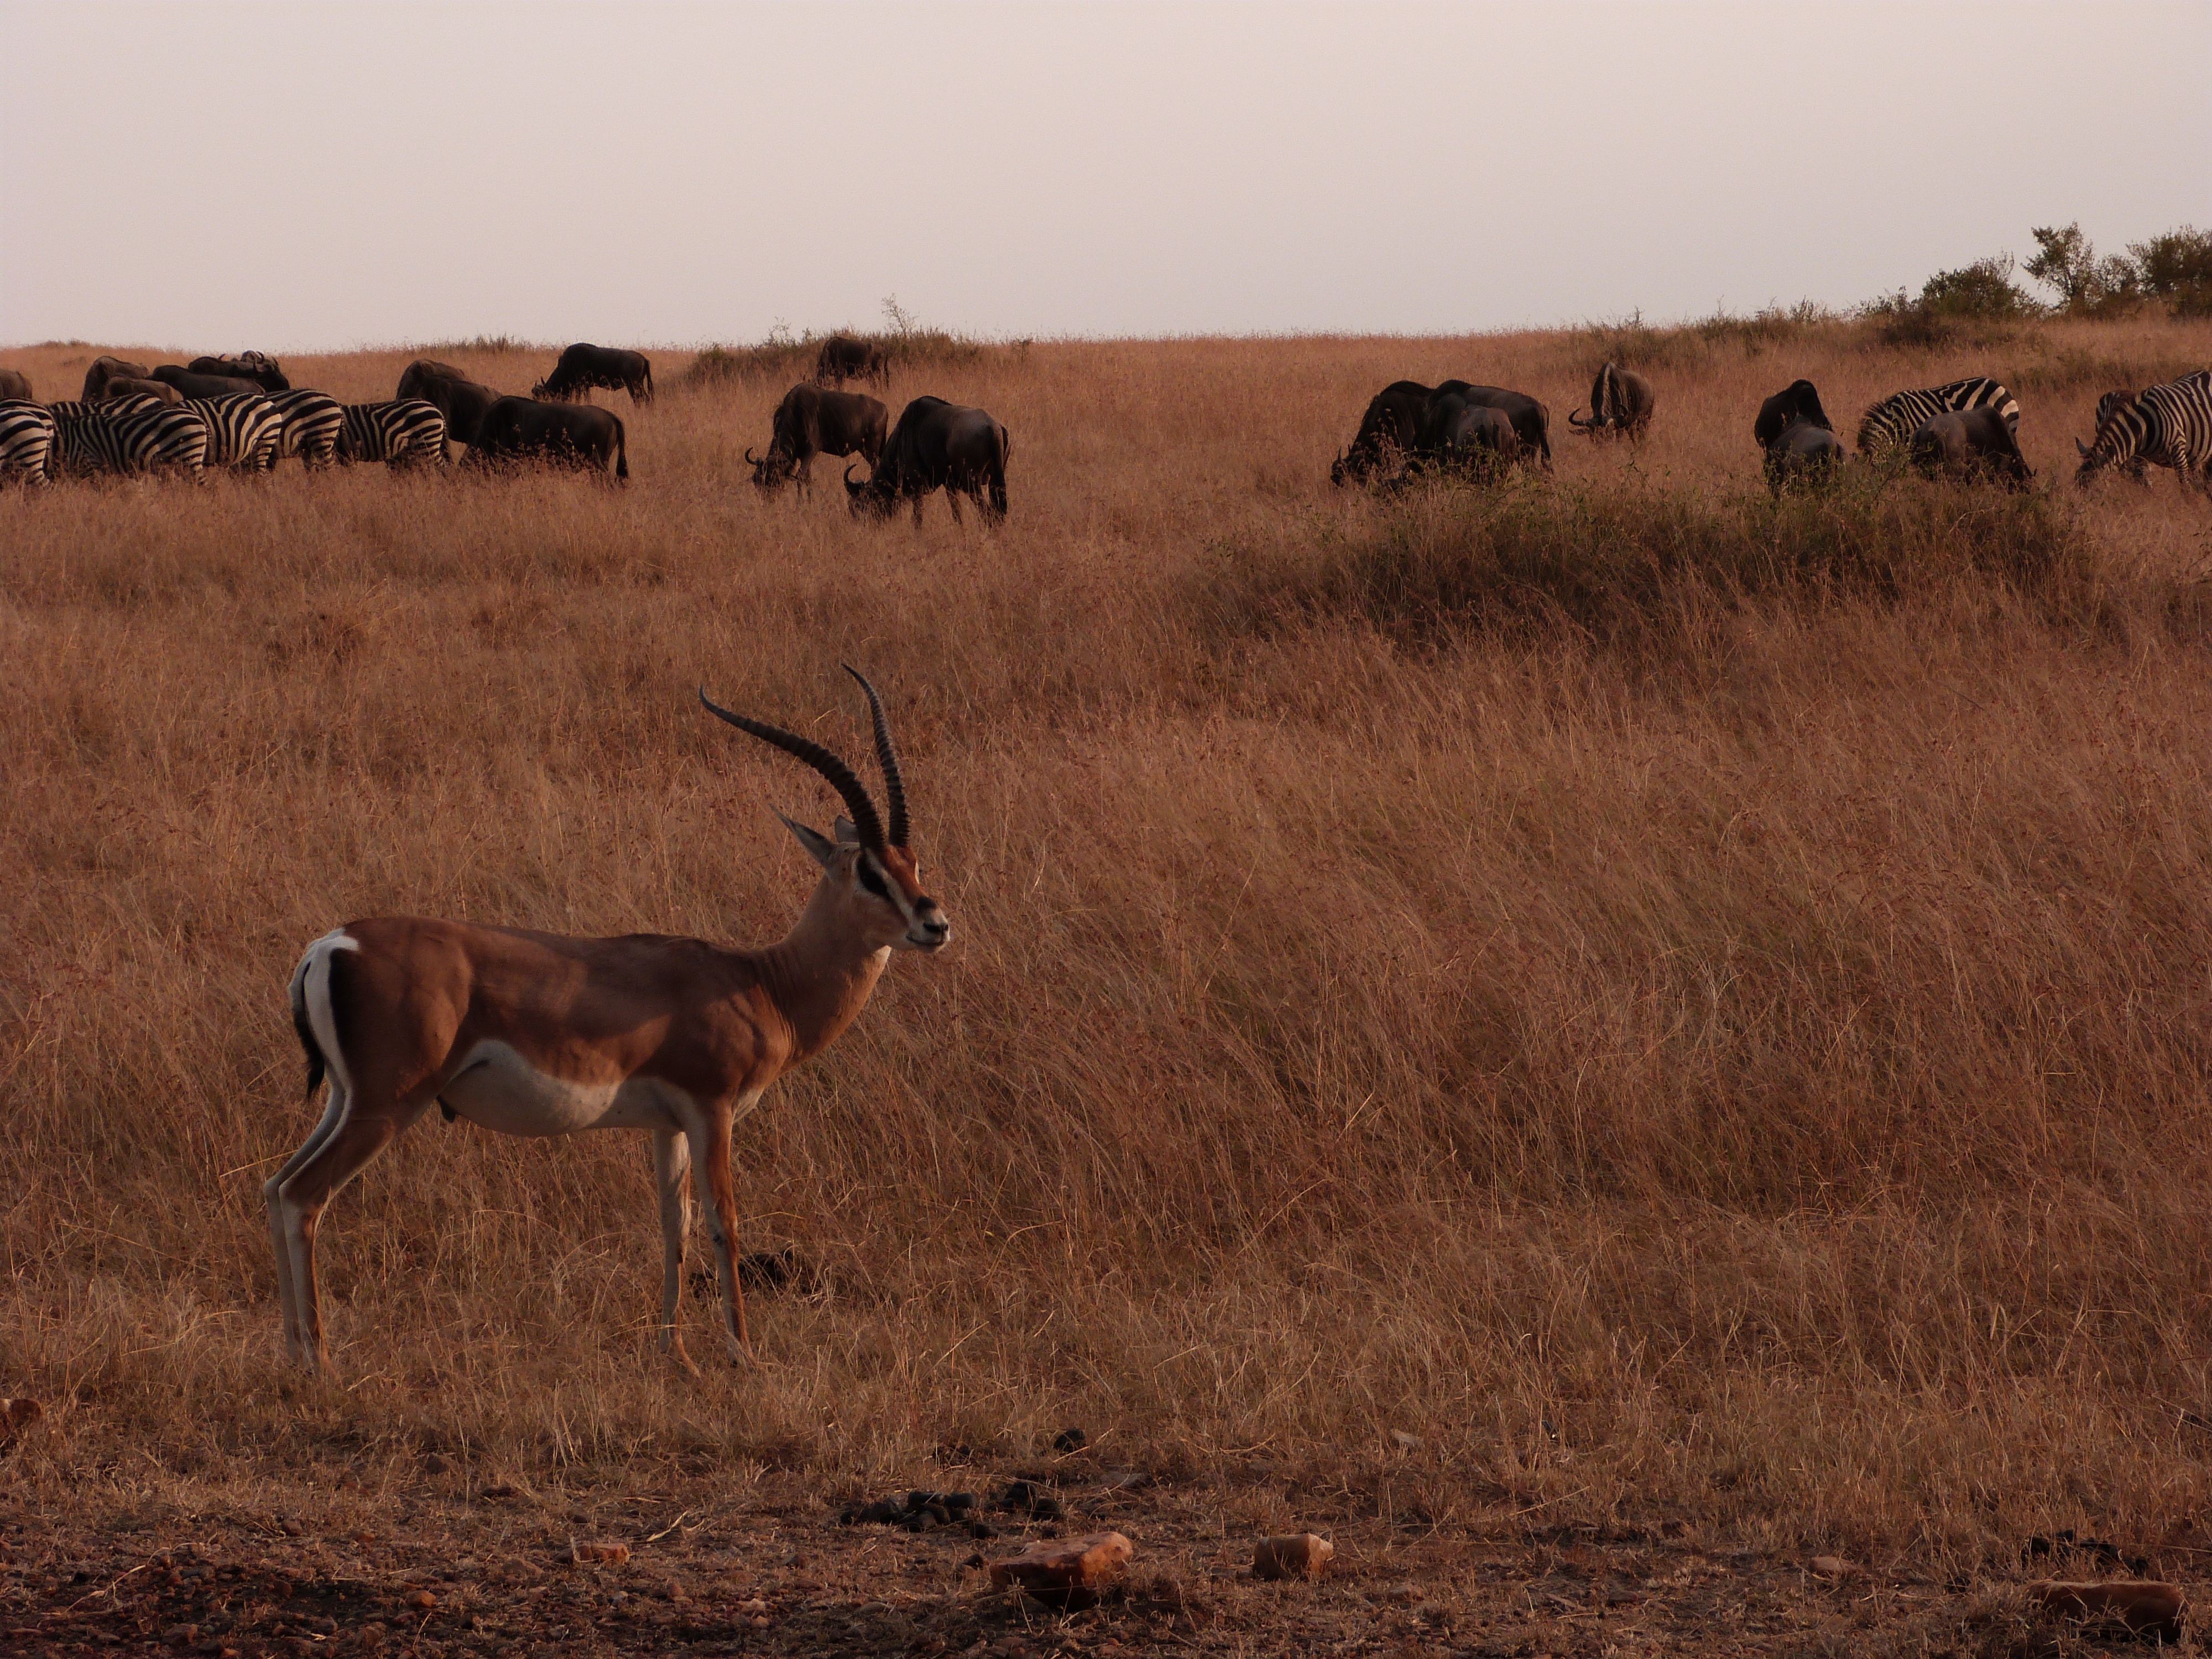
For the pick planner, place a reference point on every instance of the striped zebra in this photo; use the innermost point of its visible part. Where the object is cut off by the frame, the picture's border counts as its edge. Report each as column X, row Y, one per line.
column 398, row 434
column 1891, row 422
column 243, row 429
column 311, row 423
column 94, row 438
column 2168, row 425
column 27, row 441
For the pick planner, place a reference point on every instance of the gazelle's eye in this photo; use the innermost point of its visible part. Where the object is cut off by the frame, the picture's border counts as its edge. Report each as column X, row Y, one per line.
column 869, row 878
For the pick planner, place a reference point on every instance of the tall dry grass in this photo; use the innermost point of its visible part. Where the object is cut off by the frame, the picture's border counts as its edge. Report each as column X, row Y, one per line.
column 1725, row 978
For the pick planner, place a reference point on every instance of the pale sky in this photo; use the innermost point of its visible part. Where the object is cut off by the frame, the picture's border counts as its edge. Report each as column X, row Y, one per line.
column 219, row 177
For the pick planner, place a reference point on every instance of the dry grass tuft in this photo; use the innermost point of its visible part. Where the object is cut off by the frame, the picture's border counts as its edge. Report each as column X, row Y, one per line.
column 1721, row 978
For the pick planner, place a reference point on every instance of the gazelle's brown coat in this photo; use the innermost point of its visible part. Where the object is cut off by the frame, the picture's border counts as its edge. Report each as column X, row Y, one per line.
column 541, row 1034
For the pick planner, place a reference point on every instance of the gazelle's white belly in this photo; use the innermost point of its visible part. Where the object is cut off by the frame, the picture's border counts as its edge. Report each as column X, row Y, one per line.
column 499, row 1089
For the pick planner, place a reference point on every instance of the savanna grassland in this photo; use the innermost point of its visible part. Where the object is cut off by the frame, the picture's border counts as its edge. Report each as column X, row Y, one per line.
column 1612, row 1003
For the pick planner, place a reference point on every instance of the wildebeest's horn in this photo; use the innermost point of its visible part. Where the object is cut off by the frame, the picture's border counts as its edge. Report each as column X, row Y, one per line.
column 1572, row 421
column 865, row 824
column 749, row 461
column 851, row 489
column 894, row 786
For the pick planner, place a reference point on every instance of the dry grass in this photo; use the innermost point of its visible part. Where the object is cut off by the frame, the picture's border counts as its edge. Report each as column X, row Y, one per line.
column 1728, row 980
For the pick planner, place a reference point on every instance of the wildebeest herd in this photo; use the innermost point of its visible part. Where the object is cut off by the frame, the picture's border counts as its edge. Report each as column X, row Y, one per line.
column 1966, row 429
column 241, row 413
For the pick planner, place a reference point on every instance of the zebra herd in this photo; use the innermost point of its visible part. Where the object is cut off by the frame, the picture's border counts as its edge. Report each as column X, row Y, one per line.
column 242, row 431
column 237, row 413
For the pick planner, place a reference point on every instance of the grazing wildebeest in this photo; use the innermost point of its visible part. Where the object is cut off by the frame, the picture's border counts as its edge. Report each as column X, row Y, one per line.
column 1476, row 439
column 519, row 428
column 937, row 445
column 104, row 369
column 263, row 371
column 583, row 367
column 1620, row 405
column 810, row 422
column 204, row 386
column 1798, row 401
column 843, row 358
column 464, row 401
column 1532, row 420
column 1969, row 442
column 15, row 386
column 1391, row 427
column 1802, row 452
column 1888, row 426
column 123, row 385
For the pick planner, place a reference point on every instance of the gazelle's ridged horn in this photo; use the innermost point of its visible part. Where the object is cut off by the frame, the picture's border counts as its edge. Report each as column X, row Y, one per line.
column 894, row 788
column 841, row 776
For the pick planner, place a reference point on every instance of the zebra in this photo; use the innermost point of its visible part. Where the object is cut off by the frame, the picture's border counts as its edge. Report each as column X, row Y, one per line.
column 27, row 441
column 243, row 431
column 2170, row 425
column 311, row 423
column 398, row 434
column 1892, row 422
column 94, row 438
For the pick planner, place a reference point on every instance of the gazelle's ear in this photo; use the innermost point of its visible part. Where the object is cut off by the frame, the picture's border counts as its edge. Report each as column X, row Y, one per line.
column 842, row 828
column 819, row 847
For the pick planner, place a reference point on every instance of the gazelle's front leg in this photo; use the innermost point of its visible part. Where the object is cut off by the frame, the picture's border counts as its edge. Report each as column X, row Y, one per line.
column 671, row 1162
column 710, row 1164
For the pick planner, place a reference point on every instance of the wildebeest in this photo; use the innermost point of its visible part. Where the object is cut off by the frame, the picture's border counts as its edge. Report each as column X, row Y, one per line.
column 810, row 422
column 1406, row 418
column 1798, row 401
column 583, row 367
column 1390, row 427
column 843, row 358
column 519, row 428
column 1476, row 439
column 15, row 386
column 1531, row 419
column 104, row 369
column 1621, row 402
column 264, row 371
column 1968, row 442
column 204, row 386
column 937, row 445
column 464, row 401
column 1793, row 432
column 123, row 385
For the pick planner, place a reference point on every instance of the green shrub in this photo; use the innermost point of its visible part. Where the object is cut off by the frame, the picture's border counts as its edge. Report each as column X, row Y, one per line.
column 2177, row 267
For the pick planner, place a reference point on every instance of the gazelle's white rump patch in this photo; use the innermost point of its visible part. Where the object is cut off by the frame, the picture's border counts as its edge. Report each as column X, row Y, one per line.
column 311, row 989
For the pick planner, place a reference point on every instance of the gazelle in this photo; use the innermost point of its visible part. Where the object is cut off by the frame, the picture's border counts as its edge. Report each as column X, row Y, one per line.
column 541, row 1034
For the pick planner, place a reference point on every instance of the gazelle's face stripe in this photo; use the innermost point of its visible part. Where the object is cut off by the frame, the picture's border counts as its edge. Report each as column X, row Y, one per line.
column 926, row 928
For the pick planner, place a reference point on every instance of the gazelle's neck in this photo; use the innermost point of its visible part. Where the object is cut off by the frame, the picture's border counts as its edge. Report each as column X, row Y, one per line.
column 819, row 975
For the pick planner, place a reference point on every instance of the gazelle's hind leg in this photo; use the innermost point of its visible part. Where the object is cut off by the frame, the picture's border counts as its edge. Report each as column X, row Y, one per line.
column 671, row 1165
column 304, row 1195
column 287, row 1303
